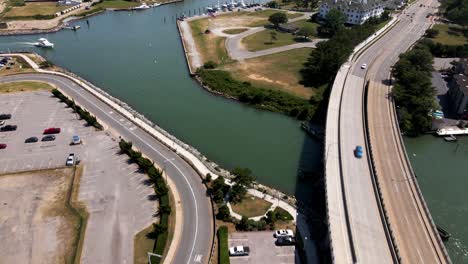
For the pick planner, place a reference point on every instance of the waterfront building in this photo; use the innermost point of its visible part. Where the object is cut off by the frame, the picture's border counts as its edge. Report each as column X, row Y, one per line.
column 458, row 91
column 356, row 11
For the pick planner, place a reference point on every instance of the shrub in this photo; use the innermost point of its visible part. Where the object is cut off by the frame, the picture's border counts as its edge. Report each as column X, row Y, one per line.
column 144, row 163
column 210, row 65
column 223, row 249
column 125, row 146
column 134, row 155
column 272, row 4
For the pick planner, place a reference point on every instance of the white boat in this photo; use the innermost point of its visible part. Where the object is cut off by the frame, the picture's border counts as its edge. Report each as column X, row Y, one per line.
column 141, row 7
column 155, row 4
column 44, row 43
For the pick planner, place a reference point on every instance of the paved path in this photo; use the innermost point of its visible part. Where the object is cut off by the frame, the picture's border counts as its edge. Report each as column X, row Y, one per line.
column 196, row 232
column 194, row 56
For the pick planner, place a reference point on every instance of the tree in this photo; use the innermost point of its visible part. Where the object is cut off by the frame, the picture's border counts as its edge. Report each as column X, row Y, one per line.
column 272, row 4
column 334, row 22
column 278, row 18
column 164, row 209
column 243, row 180
column 243, row 224
column 306, row 31
column 431, row 32
column 223, row 213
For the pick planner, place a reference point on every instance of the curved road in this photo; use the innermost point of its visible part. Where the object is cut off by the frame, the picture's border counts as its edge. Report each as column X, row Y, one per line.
column 197, row 227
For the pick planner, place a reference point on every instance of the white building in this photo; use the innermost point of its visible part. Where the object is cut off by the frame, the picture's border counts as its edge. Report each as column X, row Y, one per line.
column 70, row 2
column 356, row 11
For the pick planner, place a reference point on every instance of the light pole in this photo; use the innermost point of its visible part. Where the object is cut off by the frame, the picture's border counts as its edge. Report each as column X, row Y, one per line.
column 150, row 254
column 164, row 166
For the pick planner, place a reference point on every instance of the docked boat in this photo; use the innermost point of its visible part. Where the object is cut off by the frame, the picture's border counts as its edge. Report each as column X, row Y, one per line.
column 44, row 43
column 141, row 7
column 75, row 27
column 155, row 5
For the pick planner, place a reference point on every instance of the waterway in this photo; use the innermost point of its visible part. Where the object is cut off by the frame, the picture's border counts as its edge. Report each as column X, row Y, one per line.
column 442, row 171
column 138, row 58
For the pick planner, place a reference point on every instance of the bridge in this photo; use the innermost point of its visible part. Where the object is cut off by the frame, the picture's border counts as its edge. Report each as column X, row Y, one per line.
column 376, row 212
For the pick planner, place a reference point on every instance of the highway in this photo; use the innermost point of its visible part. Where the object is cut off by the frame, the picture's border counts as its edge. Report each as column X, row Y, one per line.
column 197, row 227
column 368, row 225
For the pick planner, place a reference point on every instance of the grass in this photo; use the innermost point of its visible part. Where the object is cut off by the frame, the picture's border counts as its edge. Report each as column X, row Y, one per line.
column 80, row 208
column 279, row 71
column 303, row 22
column 265, row 14
column 251, row 206
column 30, row 10
column 234, row 31
column 24, row 86
column 142, row 246
column 263, row 40
column 223, row 247
column 282, row 214
column 210, row 47
column 118, row 4
column 450, row 35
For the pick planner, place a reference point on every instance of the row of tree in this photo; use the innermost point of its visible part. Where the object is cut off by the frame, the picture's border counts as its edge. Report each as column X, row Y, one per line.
column 413, row 91
column 456, row 11
column 90, row 119
column 155, row 178
column 325, row 61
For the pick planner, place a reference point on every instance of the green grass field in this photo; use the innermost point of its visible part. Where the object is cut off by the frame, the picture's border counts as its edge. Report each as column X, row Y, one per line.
column 117, row 4
column 251, row 206
column 33, row 9
column 263, row 40
column 26, row 86
column 450, row 35
column 210, row 47
column 234, row 31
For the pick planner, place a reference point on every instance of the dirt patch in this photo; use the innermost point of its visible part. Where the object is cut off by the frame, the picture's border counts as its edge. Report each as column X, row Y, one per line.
column 279, row 71
column 36, row 219
column 26, row 86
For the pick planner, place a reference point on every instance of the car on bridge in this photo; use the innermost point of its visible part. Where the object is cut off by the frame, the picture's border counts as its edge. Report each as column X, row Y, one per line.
column 358, row 152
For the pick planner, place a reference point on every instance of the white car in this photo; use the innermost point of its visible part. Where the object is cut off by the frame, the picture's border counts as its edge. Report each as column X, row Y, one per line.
column 283, row 233
column 363, row 66
column 71, row 159
column 2, row 122
column 76, row 140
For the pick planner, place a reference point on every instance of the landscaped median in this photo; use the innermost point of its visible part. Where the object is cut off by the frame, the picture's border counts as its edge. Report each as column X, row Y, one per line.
column 160, row 231
column 223, row 247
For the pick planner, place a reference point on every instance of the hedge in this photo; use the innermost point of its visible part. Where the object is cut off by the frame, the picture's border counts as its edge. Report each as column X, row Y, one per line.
column 223, row 248
column 90, row 119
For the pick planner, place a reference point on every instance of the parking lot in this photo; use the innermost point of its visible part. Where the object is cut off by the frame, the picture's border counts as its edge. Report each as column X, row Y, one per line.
column 111, row 188
column 262, row 248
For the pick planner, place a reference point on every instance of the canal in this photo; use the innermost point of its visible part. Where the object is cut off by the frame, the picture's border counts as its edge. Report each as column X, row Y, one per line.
column 442, row 171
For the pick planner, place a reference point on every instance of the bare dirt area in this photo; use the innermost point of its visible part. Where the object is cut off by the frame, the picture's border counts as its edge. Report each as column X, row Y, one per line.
column 36, row 218
column 276, row 71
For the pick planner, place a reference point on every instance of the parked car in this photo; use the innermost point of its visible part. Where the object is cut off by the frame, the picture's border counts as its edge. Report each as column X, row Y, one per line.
column 76, row 140
column 51, row 130
column 239, row 251
column 2, row 122
column 283, row 233
column 8, row 128
column 5, row 116
column 364, row 66
column 3, row 146
column 48, row 138
column 70, row 159
column 31, row 140
column 285, row 241
column 358, row 152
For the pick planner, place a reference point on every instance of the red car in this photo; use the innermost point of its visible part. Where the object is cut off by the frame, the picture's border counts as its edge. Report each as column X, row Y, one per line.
column 52, row 130
column 3, row 146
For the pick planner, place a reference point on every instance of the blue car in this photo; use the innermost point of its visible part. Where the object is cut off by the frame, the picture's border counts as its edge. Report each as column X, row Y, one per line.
column 358, row 152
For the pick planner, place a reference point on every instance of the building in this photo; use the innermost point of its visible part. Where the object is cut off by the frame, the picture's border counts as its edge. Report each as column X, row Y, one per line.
column 70, row 2
column 356, row 11
column 458, row 91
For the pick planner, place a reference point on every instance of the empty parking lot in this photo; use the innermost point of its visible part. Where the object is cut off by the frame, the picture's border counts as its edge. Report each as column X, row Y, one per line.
column 262, row 248
column 111, row 189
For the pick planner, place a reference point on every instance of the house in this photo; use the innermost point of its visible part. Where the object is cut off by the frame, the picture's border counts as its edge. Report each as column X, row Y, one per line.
column 458, row 91
column 70, row 2
column 356, row 11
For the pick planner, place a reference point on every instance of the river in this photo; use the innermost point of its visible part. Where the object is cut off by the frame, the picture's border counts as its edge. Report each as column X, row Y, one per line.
column 138, row 58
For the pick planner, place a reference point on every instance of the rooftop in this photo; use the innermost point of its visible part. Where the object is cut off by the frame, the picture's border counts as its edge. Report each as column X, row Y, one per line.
column 359, row 5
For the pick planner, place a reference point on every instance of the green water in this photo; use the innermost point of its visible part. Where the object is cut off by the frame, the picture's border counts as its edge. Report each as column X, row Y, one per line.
column 442, row 170
column 138, row 58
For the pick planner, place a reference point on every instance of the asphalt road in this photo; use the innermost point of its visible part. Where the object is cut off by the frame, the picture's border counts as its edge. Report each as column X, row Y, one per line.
column 197, row 226
column 415, row 236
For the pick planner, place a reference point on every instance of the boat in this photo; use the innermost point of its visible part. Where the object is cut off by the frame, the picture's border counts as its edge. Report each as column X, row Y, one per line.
column 141, row 7
column 155, row 4
column 44, row 43
column 75, row 27
column 450, row 138
column 444, row 235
